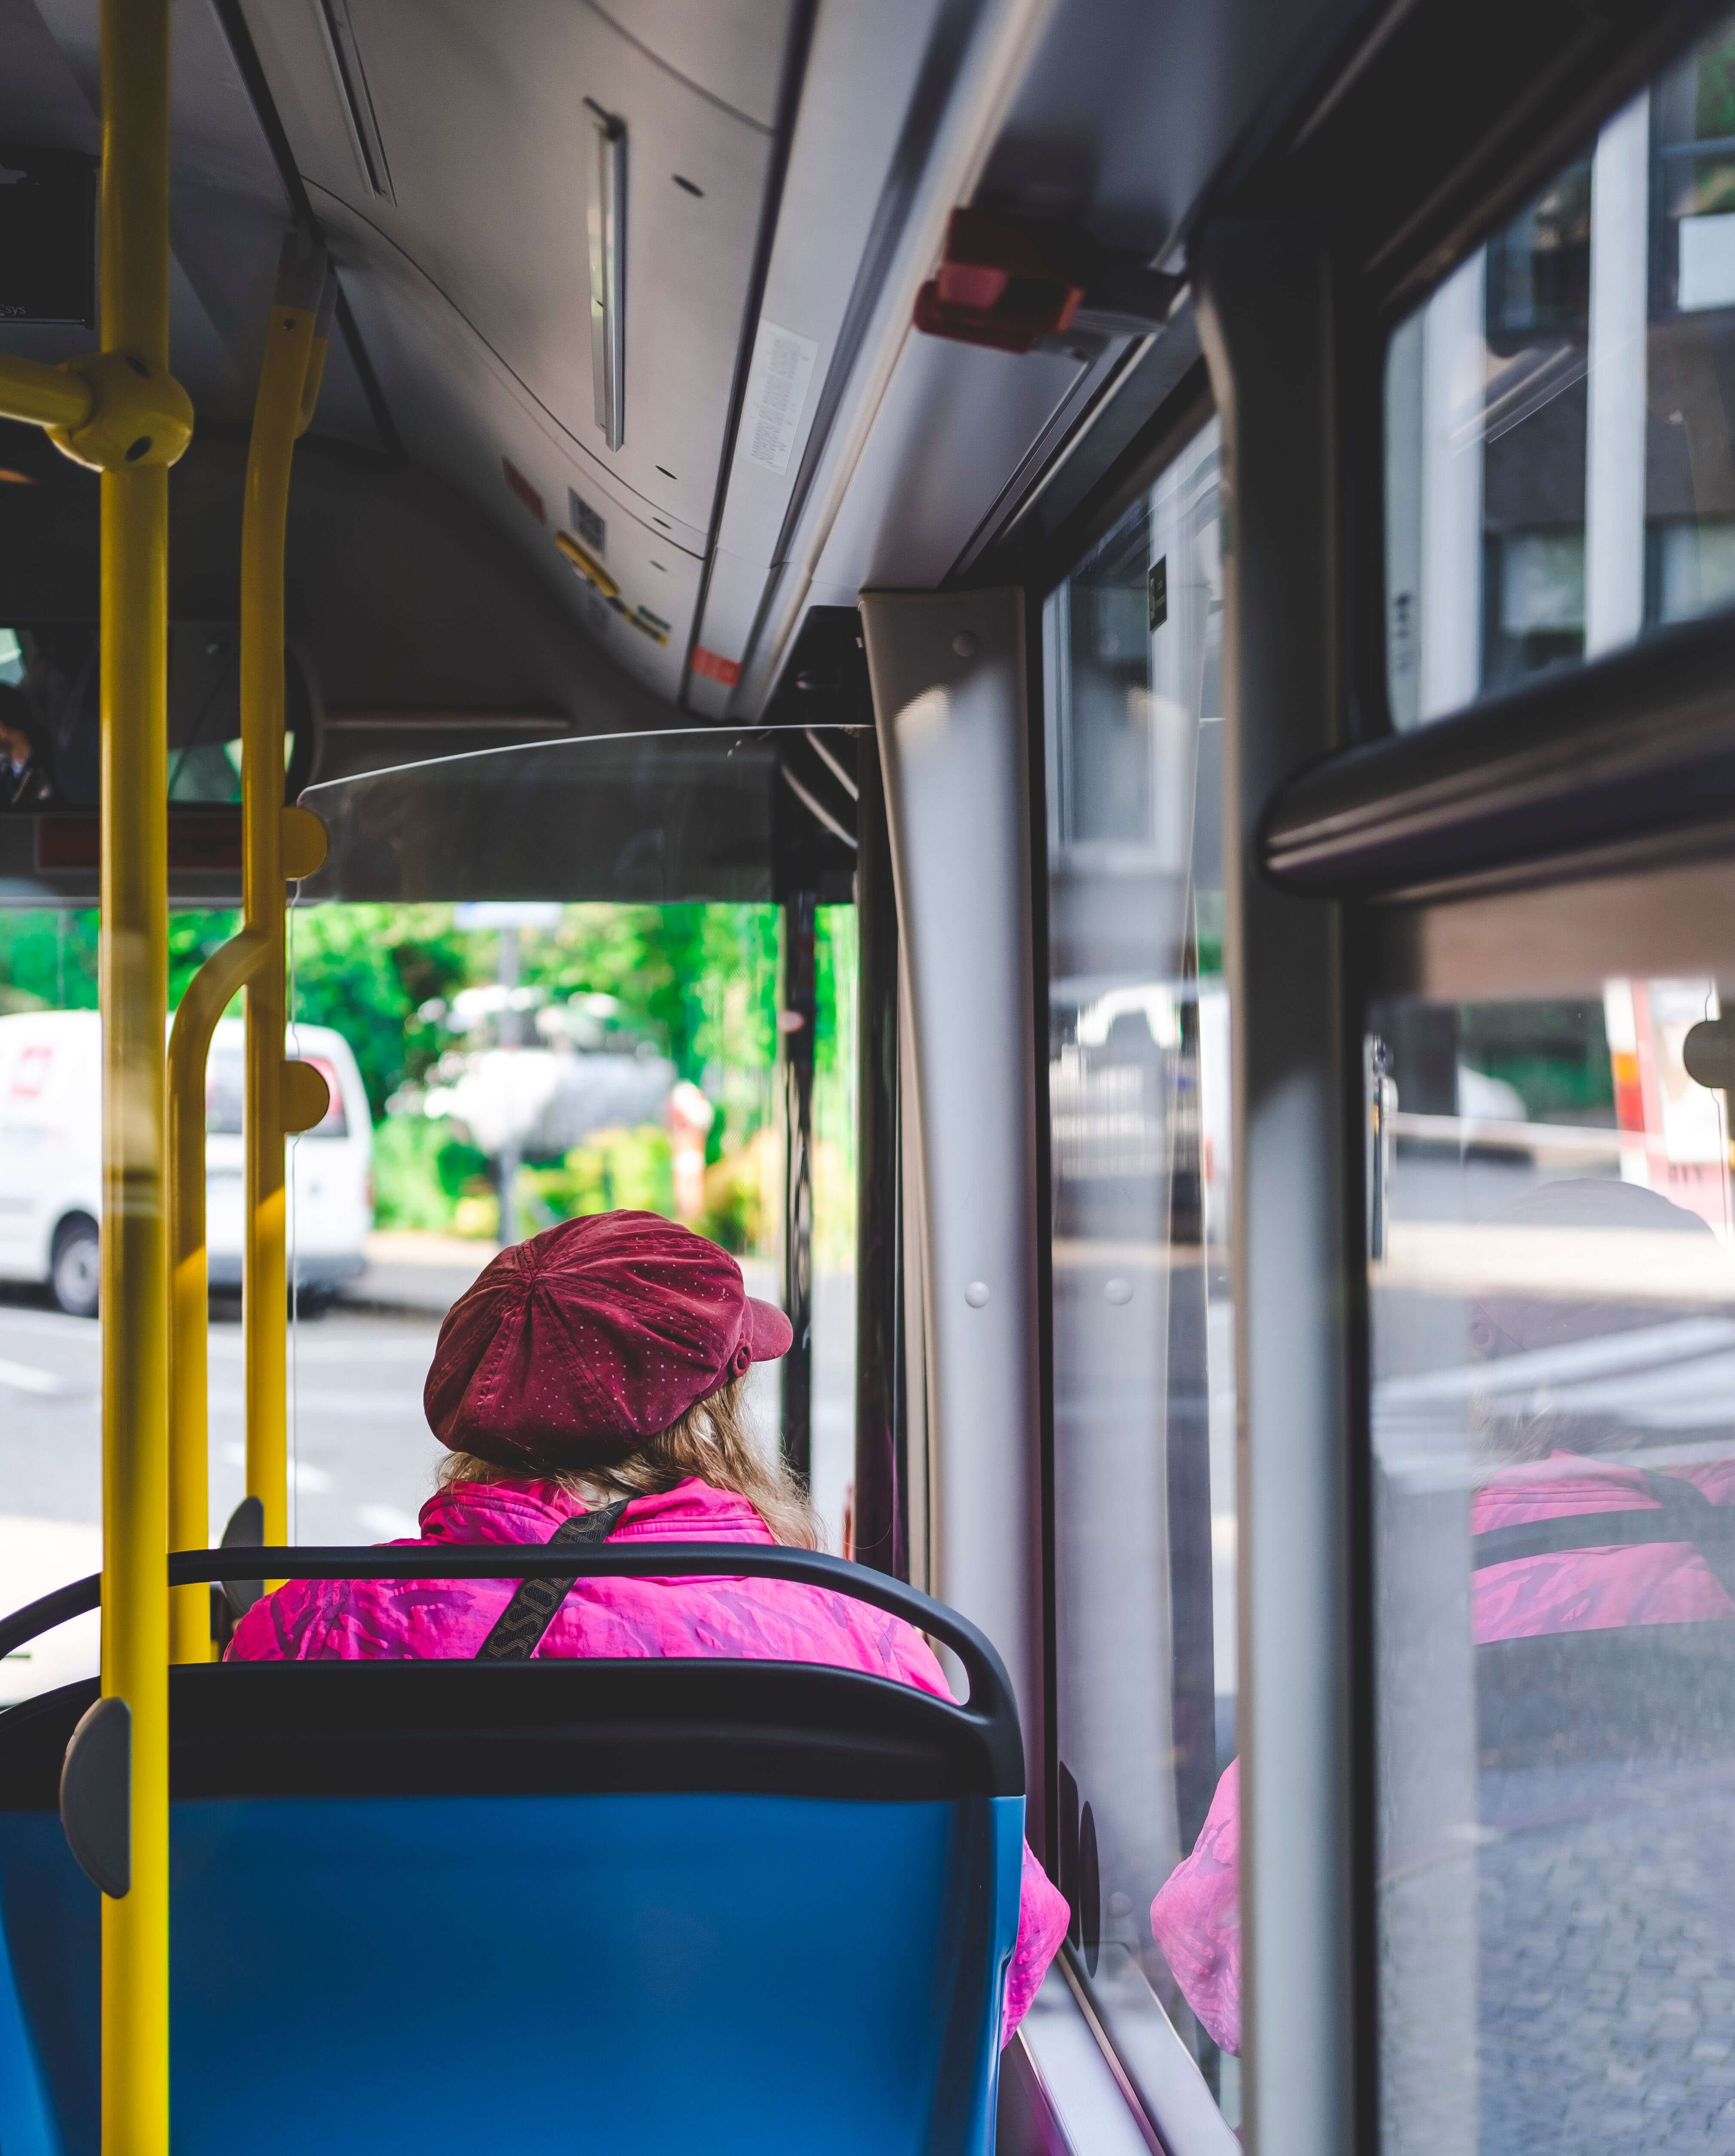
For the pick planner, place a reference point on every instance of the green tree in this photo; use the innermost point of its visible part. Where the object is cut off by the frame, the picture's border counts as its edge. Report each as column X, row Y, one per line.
column 367, row 970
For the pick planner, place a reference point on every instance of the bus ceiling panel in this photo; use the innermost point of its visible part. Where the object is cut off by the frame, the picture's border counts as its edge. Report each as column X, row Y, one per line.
column 1132, row 107
column 959, row 433
column 669, row 817
column 414, row 603
column 974, row 58
column 958, row 426
column 476, row 168
column 409, row 605
column 230, row 205
column 626, row 575
column 873, row 91
column 730, row 49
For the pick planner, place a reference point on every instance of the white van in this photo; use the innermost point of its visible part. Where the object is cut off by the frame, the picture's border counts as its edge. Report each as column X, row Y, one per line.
column 51, row 1159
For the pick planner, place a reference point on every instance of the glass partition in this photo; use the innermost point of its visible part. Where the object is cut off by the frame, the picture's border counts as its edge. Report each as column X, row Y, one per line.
column 1560, row 415
column 1554, row 1435
column 556, row 980
column 1139, row 1024
column 656, row 818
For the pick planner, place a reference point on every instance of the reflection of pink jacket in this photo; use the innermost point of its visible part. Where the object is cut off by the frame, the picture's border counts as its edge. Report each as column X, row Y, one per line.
column 1196, row 1918
column 750, row 1619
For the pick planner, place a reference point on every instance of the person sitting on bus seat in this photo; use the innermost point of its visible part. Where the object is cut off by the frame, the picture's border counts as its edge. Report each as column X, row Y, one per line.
column 1543, row 1448
column 605, row 1360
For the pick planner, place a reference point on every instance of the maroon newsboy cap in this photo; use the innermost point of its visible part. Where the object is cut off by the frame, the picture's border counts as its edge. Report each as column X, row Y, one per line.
column 573, row 1347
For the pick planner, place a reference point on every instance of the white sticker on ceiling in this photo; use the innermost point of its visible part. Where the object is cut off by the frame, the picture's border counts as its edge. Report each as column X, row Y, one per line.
column 777, row 393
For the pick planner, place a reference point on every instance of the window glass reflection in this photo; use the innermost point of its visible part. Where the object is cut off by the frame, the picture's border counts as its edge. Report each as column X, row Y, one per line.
column 1553, row 1431
column 1138, row 1098
column 1559, row 474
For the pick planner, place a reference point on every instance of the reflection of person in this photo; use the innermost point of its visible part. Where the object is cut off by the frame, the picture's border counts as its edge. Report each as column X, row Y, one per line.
column 602, row 1363
column 1546, row 1468
column 26, row 780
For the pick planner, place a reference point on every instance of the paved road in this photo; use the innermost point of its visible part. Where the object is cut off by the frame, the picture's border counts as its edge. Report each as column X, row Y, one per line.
column 362, row 1456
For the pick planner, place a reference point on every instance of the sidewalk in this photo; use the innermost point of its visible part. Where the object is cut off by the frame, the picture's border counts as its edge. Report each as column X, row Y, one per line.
column 409, row 1271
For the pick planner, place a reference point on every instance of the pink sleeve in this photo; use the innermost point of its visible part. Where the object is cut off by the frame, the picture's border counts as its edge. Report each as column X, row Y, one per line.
column 1042, row 1920
column 1196, row 1918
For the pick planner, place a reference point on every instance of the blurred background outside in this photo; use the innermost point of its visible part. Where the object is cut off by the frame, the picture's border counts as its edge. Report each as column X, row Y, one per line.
column 522, row 1065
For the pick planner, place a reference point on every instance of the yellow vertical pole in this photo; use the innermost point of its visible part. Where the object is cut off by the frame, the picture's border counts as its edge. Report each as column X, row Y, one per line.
column 122, row 413
column 134, row 965
column 277, row 420
column 207, row 996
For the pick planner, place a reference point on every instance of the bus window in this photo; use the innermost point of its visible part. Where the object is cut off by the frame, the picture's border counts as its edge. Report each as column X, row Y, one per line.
column 1556, row 415
column 1143, row 1330
column 567, row 976
column 1553, row 1436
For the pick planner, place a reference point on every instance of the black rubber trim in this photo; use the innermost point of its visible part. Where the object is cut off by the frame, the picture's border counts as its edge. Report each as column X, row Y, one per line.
column 545, row 1728
column 991, row 1711
column 1644, row 740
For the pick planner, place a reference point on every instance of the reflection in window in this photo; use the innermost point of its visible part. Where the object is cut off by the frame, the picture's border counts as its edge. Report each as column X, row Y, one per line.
column 1560, row 459
column 1138, row 1102
column 1553, row 1429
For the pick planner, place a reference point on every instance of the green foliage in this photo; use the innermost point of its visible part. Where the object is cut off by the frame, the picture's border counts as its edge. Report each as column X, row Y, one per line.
column 460, row 1166
column 48, row 957
column 698, row 984
column 699, row 981
column 366, row 970
column 613, row 1168
column 407, row 1187
column 1714, row 88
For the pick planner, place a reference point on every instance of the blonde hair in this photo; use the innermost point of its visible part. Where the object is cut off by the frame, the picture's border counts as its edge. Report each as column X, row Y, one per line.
column 714, row 1440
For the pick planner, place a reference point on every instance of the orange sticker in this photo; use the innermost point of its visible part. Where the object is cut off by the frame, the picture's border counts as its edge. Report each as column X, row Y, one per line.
column 715, row 667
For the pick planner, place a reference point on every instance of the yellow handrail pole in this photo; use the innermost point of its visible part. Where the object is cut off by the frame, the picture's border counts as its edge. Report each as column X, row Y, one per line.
column 43, row 396
column 133, row 978
column 276, row 423
column 316, row 358
column 207, row 996
column 122, row 413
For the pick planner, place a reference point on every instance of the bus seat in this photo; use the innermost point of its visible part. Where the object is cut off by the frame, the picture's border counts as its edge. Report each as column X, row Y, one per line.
column 448, row 1907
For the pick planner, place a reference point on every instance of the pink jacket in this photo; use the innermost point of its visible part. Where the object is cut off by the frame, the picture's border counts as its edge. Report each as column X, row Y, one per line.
column 1196, row 1918
column 753, row 1620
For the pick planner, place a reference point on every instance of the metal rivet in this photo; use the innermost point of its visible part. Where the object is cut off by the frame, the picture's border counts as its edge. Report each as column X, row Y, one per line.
column 964, row 644
column 1118, row 1291
column 975, row 1294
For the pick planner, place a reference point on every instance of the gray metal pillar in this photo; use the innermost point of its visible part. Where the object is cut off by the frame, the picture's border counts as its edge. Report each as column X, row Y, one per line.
column 1266, row 321
column 949, row 705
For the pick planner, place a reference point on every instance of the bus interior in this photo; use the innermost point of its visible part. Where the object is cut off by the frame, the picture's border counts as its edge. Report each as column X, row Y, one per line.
column 1063, row 669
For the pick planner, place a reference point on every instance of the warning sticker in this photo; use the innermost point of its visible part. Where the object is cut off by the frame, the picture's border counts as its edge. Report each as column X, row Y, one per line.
column 776, row 394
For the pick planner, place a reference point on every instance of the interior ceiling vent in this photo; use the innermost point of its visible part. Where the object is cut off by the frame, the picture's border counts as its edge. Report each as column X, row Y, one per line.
column 345, row 53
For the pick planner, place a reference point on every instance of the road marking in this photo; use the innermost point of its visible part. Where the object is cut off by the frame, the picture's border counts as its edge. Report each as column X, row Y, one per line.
column 26, row 1378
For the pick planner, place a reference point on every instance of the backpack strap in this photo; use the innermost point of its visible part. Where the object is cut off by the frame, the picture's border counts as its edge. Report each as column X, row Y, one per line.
column 1679, row 1512
column 518, row 1632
